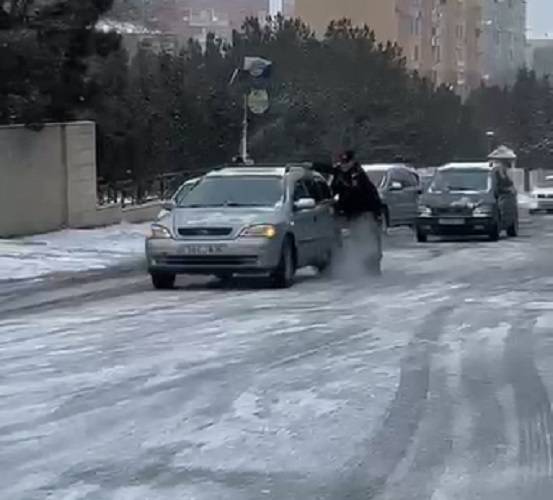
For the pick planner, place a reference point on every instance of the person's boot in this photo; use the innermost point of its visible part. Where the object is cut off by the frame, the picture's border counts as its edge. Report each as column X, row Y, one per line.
column 374, row 267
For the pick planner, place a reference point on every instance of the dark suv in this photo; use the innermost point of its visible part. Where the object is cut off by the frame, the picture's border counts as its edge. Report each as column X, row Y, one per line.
column 468, row 198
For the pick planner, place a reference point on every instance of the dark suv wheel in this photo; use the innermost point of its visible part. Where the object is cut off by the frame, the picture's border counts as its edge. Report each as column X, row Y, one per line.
column 163, row 281
column 493, row 234
column 421, row 236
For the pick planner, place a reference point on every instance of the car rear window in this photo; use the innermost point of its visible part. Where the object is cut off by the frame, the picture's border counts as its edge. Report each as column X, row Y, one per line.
column 239, row 191
column 377, row 176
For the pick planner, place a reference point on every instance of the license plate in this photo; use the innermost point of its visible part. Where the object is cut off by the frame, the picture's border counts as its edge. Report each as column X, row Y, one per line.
column 201, row 249
column 452, row 222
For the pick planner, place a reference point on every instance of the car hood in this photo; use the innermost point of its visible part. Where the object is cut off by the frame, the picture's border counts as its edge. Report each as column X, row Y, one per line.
column 457, row 199
column 218, row 217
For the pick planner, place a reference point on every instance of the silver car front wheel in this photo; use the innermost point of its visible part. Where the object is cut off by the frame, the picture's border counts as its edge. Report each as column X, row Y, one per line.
column 283, row 276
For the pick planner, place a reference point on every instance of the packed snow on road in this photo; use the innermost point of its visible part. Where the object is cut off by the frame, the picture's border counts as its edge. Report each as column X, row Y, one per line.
column 433, row 381
column 71, row 250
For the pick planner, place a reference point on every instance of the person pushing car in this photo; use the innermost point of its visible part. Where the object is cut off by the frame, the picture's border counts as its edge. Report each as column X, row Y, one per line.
column 359, row 203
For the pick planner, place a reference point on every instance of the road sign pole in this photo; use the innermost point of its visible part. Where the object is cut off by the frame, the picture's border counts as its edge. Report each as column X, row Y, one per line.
column 244, row 141
column 256, row 98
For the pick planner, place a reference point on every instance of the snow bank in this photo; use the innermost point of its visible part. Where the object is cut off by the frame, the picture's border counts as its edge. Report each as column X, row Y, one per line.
column 71, row 250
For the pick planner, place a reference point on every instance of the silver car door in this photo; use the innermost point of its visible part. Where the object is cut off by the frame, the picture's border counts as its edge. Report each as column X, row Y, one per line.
column 405, row 195
column 412, row 191
column 329, row 220
column 395, row 199
column 304, row 226
column 325, row 230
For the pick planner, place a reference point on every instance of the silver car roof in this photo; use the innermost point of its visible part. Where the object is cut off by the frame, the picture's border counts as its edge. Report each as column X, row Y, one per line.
column 249, row 171
column 384, row 167
column 191, row 181
column 293, row 171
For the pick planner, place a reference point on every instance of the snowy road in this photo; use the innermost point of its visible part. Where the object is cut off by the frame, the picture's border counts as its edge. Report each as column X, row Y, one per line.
column 434, row 383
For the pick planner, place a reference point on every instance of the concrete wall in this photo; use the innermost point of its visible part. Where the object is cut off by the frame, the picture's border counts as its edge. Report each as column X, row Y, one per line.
column 48, row 181
column 33, row 182
column 140, row 213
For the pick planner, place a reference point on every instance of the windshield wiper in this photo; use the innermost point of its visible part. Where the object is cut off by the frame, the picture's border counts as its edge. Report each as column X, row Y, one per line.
column 200, row 205
column 460, row 188
column 231, row 204
column 236, row 204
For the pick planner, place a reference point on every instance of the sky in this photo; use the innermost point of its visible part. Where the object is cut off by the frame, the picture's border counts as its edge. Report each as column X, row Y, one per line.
column 540, row 18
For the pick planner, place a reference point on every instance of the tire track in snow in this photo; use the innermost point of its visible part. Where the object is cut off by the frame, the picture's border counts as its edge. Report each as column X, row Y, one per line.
column 533, row 409
column 385, row 450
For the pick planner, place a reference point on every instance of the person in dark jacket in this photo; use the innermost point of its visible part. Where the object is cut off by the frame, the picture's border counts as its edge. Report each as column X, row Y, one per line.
column 357, row 195
column 358, row 201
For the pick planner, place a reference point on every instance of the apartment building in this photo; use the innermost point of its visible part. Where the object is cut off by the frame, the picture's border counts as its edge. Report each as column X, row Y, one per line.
column 289, row 8
column 503, row 40
column 456, row 35
column 235, row 10
column 458, row 43
column 540, row 56
column 407, row 22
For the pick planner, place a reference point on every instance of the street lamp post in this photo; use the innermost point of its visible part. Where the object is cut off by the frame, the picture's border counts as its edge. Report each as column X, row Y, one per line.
column 490, row 134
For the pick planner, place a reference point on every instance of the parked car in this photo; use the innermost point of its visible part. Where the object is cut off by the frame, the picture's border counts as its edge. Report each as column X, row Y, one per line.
column 542, row 196
column 179, row 195
column 399, row 188
column 246, row 220
column 466, row 198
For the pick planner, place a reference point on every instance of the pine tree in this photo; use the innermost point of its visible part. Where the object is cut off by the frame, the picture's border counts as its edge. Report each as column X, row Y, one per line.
column 45, row 49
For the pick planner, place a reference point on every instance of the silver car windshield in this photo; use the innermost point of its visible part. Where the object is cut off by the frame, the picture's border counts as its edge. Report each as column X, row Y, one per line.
column 461, row 180
column 183, row 192
column 240, row 191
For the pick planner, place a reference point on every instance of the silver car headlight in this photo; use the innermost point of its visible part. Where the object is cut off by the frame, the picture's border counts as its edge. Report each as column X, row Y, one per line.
column 259, row 231
column 483, row 211
column 157, row 231
column 425, row 211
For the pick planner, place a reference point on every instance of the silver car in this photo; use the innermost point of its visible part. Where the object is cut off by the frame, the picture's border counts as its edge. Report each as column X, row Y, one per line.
column 246, row 220
column 399, row 187
column 542, row 196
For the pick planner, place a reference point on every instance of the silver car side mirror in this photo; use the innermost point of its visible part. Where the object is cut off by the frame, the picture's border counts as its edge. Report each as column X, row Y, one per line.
column 305, row 204
column 168, row 205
